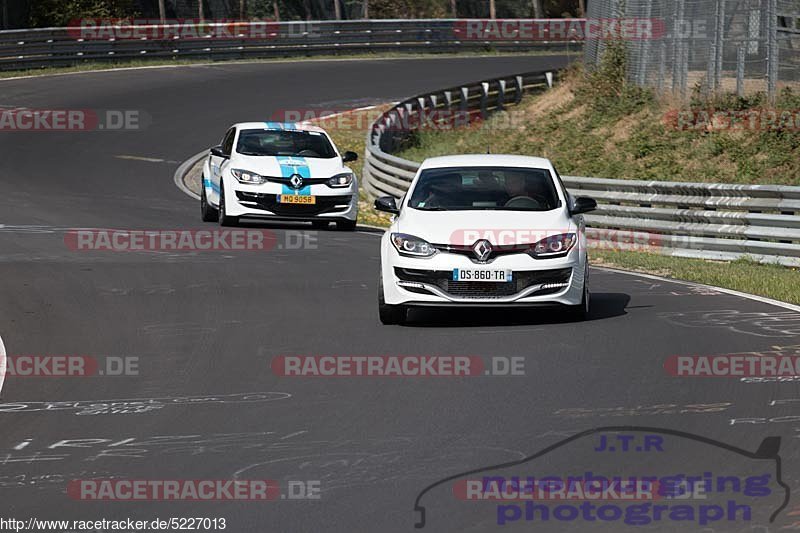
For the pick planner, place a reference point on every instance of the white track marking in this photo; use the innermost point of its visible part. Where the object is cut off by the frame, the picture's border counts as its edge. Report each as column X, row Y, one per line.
column 145, row 159
column 732, row 292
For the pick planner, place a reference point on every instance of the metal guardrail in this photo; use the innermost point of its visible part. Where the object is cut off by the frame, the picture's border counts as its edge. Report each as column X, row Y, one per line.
column 34, row 48
column 710, row 221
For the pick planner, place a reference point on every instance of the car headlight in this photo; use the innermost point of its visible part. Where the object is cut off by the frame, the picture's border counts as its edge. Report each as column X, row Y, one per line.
column 341, row 180
column 245, row 176
column 554, row 245
column 412, row 246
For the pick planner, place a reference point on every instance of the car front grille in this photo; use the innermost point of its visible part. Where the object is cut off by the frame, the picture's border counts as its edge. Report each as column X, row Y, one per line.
column 443, row 279
column 268, row 202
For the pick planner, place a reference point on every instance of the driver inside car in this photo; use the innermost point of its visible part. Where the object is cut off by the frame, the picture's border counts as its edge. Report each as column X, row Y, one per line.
column 515, row 185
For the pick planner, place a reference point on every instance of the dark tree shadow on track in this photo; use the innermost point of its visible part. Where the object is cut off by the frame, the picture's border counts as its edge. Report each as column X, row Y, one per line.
column 254, row 223
column 301, row 225
column 604, row 305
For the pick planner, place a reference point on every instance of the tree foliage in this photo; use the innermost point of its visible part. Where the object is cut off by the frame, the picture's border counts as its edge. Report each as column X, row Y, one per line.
column 44, row 13
column 58, row 13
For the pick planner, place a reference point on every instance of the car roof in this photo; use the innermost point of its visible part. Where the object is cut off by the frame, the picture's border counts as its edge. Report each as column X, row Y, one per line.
column 486, row 160
column 291, row 126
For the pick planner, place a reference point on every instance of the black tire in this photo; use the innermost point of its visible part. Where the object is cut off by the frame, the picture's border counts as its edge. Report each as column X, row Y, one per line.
column 207, row 212
column 346, row 225
column 389, row 314
column 319, row 224
column 225, row 220
column 580, row 312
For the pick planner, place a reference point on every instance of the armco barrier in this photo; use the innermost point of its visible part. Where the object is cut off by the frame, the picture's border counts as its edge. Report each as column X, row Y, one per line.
column 710, row 221
column 48, row 47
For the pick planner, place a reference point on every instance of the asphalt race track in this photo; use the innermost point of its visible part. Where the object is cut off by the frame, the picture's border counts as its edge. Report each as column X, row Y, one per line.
column 206, row 325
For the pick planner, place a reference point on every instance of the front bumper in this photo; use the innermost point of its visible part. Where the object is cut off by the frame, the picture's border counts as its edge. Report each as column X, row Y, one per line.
column 536, row 282
column 260, row 201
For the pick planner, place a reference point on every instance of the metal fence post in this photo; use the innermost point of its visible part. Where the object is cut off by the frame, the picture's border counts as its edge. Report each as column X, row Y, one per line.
column 720, row 35
column 684, row 53
column 463, row 104
column 517, row 89
column 676, row 45
column 661, row 65
column 484, row 99
column 501, row 94
column 740, row 55
column 772, row 49
column 644, row 50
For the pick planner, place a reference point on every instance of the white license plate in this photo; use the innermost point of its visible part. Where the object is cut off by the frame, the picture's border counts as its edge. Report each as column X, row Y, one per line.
column 482, row 274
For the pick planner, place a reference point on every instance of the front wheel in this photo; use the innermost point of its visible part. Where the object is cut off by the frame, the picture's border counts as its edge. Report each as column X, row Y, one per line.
column 580, row 312
column 207, row 213
column 389, row 314
column 225, row 219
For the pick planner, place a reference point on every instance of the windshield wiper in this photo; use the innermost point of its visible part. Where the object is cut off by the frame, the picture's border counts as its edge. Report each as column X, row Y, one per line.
column 252, row 153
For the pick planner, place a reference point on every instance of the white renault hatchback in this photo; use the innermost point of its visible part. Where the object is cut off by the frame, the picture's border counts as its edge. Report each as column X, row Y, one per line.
column 484, row 230
column 279, row 170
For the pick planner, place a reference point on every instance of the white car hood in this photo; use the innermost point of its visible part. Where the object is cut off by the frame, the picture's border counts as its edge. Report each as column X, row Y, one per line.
column 498, row 227
column 285, row 166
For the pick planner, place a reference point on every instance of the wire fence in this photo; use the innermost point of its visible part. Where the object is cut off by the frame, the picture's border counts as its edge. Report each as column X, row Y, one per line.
column 729, row 45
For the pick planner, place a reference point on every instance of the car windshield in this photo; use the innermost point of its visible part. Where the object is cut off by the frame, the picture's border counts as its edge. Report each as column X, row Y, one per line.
column 485, row 188
column 285, row 142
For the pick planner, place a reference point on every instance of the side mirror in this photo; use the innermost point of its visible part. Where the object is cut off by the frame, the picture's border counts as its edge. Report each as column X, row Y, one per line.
column 387, row 204
column 217, row 151
column 349, row 156
column 583, row 204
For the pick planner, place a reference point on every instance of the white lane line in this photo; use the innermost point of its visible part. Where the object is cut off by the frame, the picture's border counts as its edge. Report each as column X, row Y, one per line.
column 355, row 110
column 732, row 292
column 146, row 159
column 3, row 364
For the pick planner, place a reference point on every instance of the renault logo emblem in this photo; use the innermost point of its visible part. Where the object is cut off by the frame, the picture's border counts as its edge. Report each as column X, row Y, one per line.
column 482, row 250
column 297, row 181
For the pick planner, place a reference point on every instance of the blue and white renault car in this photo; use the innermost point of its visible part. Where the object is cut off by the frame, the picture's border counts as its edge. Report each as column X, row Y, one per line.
column 282, row 171
column 484, row 230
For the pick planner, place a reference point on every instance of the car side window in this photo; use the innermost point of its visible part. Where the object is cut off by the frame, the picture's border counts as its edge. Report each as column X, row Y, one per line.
column 227, row 142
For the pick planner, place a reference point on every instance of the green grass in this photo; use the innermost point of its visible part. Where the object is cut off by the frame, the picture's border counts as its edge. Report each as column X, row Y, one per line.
column 93, row 65
column 772, row 281
column 627, row 136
